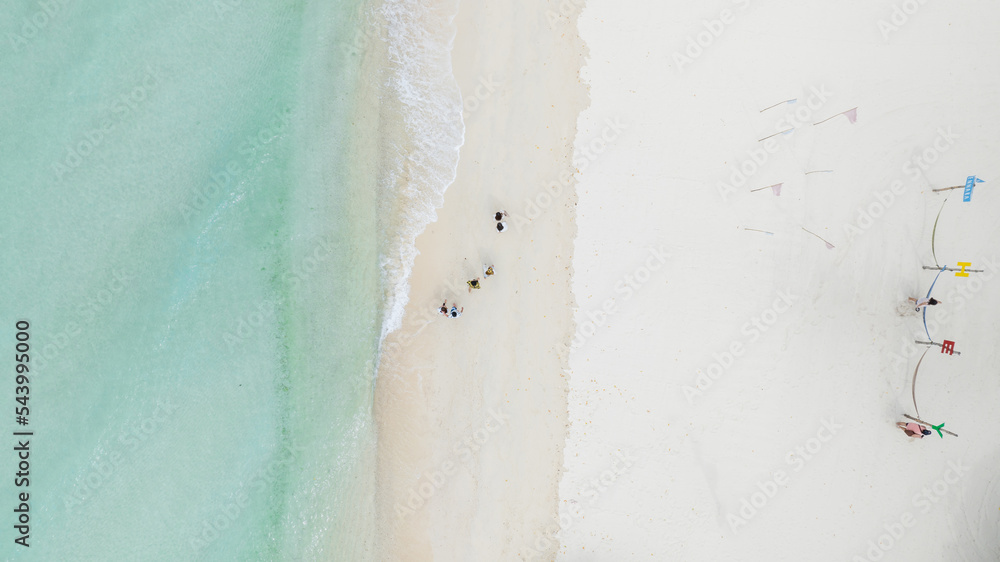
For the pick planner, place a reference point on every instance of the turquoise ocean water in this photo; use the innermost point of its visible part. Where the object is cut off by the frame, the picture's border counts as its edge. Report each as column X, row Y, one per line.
column 209, row 217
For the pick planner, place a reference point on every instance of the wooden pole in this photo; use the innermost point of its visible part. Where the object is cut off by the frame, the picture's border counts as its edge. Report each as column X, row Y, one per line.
column 955, row 269
column 777, row 104
column 928, row 424
column 816, row 235
column 776, row 134
column 832, row 116
column 937, row 344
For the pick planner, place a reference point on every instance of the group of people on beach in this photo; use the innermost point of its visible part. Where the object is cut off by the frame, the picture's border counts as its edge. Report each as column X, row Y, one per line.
column 454, row 311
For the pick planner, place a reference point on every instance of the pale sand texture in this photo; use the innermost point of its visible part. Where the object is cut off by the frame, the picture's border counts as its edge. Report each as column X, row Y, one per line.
column 450, row 381
column 857, row 492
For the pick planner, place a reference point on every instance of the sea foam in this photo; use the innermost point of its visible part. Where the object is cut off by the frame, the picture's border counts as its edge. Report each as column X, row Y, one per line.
column 421, row 132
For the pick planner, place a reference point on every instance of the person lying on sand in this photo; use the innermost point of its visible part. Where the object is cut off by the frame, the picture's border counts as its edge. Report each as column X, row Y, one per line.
column 474, row 284
column 925, row 301
column 914, row 429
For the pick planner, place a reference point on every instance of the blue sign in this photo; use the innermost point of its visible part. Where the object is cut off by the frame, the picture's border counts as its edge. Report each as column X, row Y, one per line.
column 970, row 182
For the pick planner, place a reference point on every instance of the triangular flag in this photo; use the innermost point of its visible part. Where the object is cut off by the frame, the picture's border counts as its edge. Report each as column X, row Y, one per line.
column 776, row 188
column 851, row 114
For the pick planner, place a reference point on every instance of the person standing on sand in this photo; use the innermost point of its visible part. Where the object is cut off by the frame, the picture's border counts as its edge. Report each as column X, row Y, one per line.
column 498, row 216
column 474, row 284
column 914, row 429
column 444, row 309
column 488, row 271
column 455, row 312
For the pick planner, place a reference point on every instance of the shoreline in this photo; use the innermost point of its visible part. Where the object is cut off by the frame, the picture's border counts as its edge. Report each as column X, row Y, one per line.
column 472, row 412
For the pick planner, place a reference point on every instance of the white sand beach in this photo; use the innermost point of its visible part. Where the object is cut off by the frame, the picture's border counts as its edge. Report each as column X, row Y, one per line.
column 732, row 393
column 753, row 384
column 472, row 411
